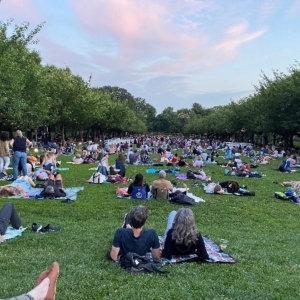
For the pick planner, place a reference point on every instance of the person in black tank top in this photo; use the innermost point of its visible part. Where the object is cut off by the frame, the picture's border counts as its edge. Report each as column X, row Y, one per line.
column 19, row 144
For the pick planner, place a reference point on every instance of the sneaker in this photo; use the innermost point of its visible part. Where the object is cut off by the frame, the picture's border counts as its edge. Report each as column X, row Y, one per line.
column 36, row 227
column 50, row 228
column 4, row 172
column 126, row 220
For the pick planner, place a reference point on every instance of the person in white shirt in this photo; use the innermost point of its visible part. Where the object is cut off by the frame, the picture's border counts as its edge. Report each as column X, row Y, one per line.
column 198, row 162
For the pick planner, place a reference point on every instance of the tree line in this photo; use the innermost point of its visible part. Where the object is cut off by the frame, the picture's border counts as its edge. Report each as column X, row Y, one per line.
column 32, row 94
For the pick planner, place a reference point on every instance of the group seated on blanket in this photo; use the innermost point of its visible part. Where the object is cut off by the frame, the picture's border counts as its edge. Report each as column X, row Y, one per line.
column 181, row 236
column 144, row 158
column 20, row 186
column 227, row 187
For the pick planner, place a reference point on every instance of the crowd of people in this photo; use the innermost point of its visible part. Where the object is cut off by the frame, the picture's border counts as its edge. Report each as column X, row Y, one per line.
column 181, row 236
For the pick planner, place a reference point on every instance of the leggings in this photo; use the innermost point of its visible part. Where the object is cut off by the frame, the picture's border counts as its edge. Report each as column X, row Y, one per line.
column 9, row 215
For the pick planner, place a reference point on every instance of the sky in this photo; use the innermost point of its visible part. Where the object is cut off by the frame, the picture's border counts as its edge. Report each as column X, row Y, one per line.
column 169, row 52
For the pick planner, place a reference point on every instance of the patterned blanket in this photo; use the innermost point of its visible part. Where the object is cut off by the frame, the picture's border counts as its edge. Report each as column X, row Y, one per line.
column 12, row 233
column 216, row 255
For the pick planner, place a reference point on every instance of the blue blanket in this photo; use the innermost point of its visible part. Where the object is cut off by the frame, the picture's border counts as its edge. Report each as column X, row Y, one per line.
column 12, row 233
column 34, row 193
column 168, row 171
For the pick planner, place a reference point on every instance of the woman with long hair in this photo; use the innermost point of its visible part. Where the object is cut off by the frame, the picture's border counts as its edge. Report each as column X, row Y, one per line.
column 182, row 237
column 4, row 153
column 138, row 189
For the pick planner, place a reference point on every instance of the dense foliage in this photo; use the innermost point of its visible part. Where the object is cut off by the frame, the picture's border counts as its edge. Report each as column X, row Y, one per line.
column 32, row 95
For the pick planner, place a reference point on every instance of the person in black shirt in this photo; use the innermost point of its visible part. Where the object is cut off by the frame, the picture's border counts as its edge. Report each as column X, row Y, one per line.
column 182, row 237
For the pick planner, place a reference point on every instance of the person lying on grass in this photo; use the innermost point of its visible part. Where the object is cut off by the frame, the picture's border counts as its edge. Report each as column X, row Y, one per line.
column 182, row 237
column 133, row 237
column 9, row 215
column 20, row 186
column 54, row 187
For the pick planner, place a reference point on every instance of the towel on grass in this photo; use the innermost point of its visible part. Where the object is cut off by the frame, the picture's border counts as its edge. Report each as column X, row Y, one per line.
column 34, row 193
column 216, row 255
column 60, row 169
column 168, row 171
column 11, row 233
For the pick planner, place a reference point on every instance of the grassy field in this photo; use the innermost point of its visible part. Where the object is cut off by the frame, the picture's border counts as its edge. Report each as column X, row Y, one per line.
column 263, row 235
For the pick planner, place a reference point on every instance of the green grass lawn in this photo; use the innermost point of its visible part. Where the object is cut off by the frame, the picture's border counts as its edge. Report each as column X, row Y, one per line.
column 263, row 235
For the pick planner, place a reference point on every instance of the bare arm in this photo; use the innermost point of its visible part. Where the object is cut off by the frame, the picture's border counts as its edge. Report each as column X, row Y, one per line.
column 11, row 142
column 114, row 252
column 156, row 252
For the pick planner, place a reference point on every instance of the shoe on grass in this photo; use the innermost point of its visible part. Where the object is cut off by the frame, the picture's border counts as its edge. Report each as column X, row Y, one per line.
column 49, row 228
column 36, row 227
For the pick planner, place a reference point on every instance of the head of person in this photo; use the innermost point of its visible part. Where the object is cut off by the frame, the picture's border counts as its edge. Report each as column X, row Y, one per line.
column 218, row 189
column 19, row 133
column 162, row 174
column 233, row 185
column 138, row 216
column 184, row 227
column 199, row 157
column 4, row 137
column 138, row 180
column 121, row 157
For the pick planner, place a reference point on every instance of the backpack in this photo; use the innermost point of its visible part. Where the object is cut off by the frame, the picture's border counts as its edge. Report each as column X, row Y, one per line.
column 190, row 174
column 97, row 178
column 139, row 192
column 137, row 264
column 183, row 199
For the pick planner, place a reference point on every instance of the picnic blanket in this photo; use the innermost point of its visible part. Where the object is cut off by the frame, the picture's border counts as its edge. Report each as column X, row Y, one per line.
column 184, row 177
column 216, row 255
column 11, row 233
column 168, row 171
column 34, row 193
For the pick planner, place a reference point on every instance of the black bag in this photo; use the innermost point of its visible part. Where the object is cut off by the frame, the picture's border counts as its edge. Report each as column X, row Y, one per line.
column 137, row 264
column 183, row 199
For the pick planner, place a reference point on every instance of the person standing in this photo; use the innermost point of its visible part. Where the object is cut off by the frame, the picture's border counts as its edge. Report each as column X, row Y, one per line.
column 19, row 144
column 4, row 153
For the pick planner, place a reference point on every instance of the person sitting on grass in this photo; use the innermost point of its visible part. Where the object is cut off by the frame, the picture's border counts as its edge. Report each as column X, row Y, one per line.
column 182, row 162
column 162, row 183
column 133, row 237
column 182, row 237
column 138, row 189
column 20, row 186
column 198, row 162
column 45, row 287
column 54, row 187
